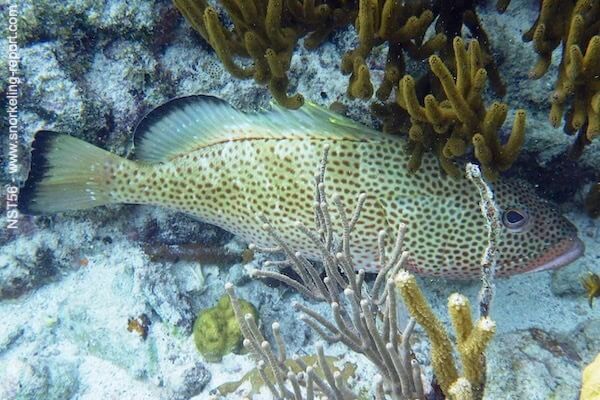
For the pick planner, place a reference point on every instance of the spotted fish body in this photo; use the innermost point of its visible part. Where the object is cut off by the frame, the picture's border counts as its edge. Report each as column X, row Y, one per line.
column 200, row 156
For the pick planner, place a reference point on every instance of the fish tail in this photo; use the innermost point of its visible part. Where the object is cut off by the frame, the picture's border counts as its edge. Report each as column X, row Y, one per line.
column 66, row 174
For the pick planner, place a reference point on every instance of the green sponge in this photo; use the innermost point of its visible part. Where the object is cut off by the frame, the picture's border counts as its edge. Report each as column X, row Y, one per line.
column 217, row 332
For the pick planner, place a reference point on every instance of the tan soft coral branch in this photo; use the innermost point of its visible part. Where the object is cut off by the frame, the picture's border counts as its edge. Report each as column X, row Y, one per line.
column 576, row 98
column 456, row 116
column 265, row 31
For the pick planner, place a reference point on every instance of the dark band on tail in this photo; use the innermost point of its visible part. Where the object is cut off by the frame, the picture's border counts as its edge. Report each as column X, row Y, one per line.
column 39, row 168
column 66, row 174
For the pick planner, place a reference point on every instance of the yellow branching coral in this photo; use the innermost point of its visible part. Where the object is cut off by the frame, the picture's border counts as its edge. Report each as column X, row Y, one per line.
column 579, row 78
column 321, row 19
column 402, row 26
column 451, row 17
column 472, row 339
column 266, row 32
column 442, row 359
column 549, row 30
column 455, row 116
column 591, row 284
column 575, row 24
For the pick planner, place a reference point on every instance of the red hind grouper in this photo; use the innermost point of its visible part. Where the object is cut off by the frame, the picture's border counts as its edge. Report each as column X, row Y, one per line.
column 200, row 156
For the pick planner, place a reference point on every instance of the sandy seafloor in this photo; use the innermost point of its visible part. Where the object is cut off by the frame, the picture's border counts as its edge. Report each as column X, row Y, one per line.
column 69, row 283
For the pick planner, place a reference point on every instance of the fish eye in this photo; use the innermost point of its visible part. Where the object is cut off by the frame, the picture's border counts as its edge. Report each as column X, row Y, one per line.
column 514, row 218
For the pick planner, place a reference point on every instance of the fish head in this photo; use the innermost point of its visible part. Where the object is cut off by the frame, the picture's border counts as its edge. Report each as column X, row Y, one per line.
column 535, row 235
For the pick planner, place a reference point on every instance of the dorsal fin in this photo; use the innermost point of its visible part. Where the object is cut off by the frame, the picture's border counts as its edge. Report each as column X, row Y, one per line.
column 189, row 123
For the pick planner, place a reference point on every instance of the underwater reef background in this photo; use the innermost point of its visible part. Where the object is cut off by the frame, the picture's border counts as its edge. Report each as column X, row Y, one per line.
column 102, row 303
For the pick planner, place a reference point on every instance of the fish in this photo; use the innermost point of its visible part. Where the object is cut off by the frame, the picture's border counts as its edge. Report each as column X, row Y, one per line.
column 203, row 157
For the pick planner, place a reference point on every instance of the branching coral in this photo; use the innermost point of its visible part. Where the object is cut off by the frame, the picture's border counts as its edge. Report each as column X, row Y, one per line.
column 364, row 318
column 461, row 390
column 357, row 313
column 278, row 372
column 455, row 116
column 266, row 32
column 576, row 25
column 579, row 71
column 402, row 26
column 297, row 365
column 472, row 339
column 451, row 17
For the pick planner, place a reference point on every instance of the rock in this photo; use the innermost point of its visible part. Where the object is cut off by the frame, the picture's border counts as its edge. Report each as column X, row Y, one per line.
column 182, row 373
column 39, row 378
column 567, row 281
column 9, row 334
column 26, row 264
column 522, row 367
column 185, row 381
column 131, row 62
column 159, row 289
column 62, row 101
column 588, row 340
column 23, row 380
column 81, row 19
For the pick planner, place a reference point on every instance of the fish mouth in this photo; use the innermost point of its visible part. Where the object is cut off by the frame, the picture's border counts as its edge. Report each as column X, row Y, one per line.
column 563, row 253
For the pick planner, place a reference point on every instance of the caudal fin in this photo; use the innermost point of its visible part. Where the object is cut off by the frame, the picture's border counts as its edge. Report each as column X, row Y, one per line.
column 66, row 174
